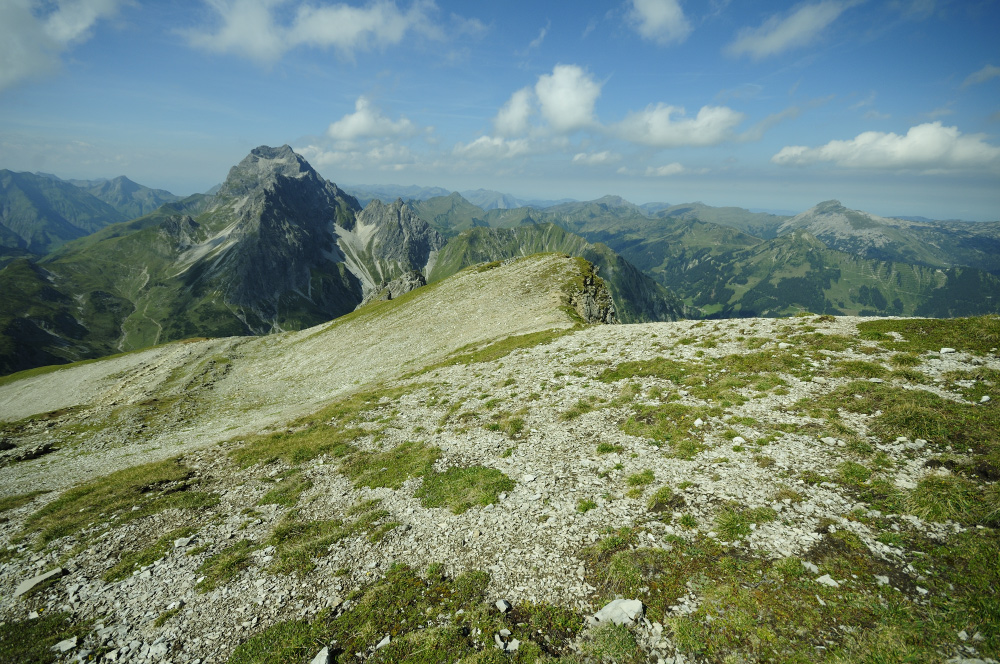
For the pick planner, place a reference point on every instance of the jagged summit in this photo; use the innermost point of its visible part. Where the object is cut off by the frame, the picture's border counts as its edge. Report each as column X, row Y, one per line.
column 264, row 165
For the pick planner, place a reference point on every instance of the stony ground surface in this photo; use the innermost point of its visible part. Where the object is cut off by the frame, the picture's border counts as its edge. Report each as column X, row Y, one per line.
column 550, row 417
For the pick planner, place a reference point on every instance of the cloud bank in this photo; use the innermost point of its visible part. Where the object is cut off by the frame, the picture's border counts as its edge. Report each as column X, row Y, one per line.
column 664, row 126
column 250, row 28
column 926, row 147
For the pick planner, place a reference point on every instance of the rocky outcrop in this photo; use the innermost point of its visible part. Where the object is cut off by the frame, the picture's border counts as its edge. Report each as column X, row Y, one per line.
column 591, row 299
column 395, row 288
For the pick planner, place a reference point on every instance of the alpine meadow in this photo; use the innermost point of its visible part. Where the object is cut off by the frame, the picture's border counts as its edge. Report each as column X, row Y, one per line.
column 408, row 348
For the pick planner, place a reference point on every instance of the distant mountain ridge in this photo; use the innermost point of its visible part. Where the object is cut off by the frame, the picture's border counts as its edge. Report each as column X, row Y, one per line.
column 276, row 248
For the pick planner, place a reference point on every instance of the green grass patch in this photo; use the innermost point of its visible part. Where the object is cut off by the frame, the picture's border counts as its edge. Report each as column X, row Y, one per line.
column 299, row 541
column 496, row 350
column 613, row 643
column 641, row 478
column 330, row 431
column 392, row 467
column 132, row 560
column 18, row 500
column 221, row 568
column 151, row 487
column 287, row 490
column 584, row 505
column 459, row 489
column 581, row 407
column 670, row 423
column 508, row 423
column 732, row 524
column 957, row 499
column 608, row 448
column 162, row 619
column 663, row 500
column 859, row 369
column 976, row 335
column 31, row 641
column 429, row 619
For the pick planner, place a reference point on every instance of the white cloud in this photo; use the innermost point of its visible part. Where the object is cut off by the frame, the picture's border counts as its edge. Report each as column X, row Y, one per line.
column 596, row 158
column 657, row 126
column 492, row 147
column 981, row 76
column 537, row 41
column 250, row 28
column 31, row 42
column 665, row 171
column 661, row 21
column 513, row 117
column 388, row 157
column 567, row 97
column 778, row 34
column 926, row 147
column 367, row 121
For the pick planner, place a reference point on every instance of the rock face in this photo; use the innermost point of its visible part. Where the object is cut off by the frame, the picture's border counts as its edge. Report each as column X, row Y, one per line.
column 386, row 241
column 275, row 217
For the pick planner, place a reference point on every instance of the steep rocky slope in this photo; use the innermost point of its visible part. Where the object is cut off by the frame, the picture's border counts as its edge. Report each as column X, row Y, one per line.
column 805, row 489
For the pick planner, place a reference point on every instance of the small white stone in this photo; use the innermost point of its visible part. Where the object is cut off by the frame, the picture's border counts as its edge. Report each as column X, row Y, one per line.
column 827, row 580
column 882, row 580
column 698, row 422
column 985, row 398
column 383, row 643
column 739, row 440
column 946, row 350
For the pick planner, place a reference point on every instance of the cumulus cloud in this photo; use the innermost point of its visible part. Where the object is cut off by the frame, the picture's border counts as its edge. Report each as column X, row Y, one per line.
column 782, row 33
column 31, row 43
column 492, row 147
column 367, row 121
column 514, row 116
column 666, row 126
column 665, row 171
column 926, row 147
column 981, row 76
column 661, row 21
column 596, row 158
column 567, row 97
column 251, row 29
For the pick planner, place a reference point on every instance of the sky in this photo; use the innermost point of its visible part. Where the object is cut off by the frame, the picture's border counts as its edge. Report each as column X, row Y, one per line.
column 892, row 107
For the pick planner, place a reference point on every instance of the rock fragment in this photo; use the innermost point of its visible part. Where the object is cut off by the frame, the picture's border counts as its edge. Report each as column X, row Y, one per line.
column 27, row 585
column 620, row 612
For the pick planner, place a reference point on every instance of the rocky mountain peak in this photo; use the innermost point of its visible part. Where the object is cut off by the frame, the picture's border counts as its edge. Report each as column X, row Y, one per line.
column 264, row 165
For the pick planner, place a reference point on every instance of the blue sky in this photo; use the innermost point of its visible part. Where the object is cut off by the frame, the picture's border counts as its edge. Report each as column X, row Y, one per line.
column 889, row 106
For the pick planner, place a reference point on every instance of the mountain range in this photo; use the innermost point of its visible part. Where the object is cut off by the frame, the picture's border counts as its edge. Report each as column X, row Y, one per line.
column 103, row 266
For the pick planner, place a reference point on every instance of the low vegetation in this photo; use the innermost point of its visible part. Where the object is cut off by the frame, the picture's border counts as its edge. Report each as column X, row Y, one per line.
column 120, row 497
